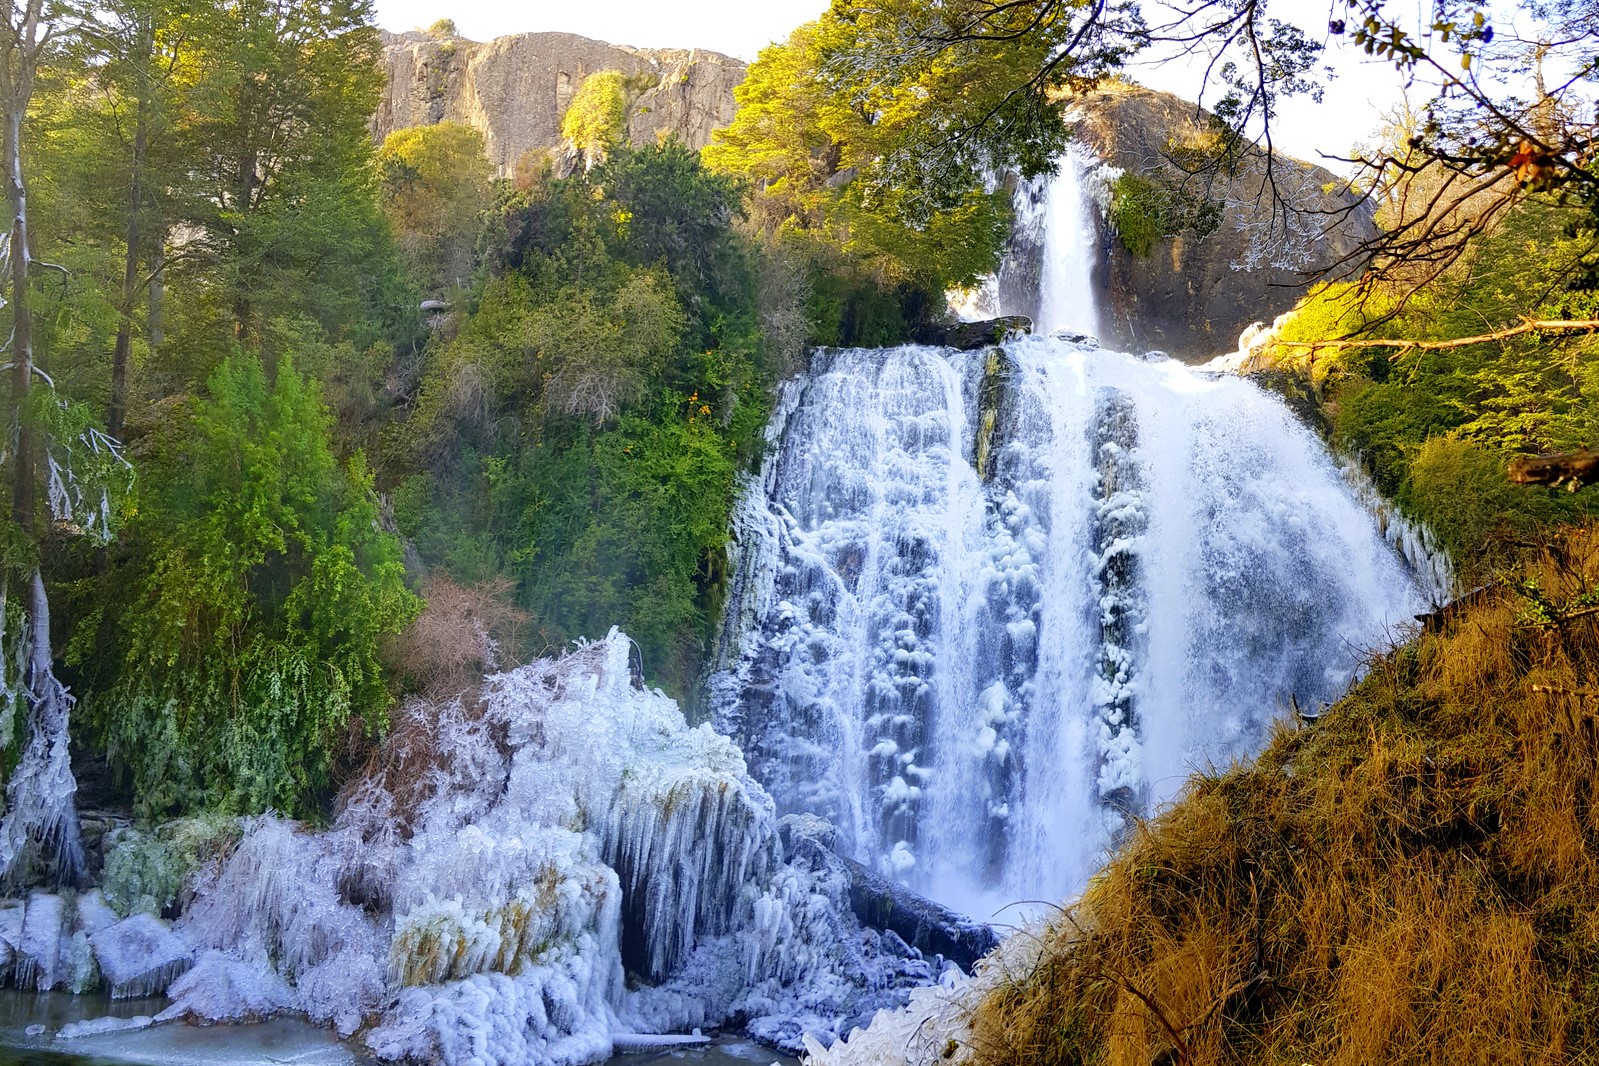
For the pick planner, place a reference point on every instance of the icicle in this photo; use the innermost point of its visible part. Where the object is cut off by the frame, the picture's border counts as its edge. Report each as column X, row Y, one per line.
column 41, row 791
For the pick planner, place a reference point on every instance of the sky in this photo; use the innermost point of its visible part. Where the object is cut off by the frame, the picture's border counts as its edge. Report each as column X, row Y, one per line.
column 1349, row 114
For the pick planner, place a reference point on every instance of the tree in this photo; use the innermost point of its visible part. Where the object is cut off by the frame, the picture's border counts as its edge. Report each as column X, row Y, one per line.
column 435, row 184
column 859, row 165
column 248, row 628
column 282, row 96
column 40, row 822
column 595, row 123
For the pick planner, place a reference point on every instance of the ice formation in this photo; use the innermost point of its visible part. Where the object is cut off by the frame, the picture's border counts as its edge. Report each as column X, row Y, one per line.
column 1004, row 600
column 484, row 891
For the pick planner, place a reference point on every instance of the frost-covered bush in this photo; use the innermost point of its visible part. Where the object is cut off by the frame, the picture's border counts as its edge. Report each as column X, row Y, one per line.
column 146, row 870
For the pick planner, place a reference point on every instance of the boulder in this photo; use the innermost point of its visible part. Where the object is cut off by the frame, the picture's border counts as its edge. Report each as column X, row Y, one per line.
column 877, row 902
column 970, row 336
column 140, row 956
column 39, row 950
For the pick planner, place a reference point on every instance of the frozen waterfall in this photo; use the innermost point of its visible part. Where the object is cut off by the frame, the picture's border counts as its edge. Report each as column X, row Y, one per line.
column 1009, row 598
column 991, row 604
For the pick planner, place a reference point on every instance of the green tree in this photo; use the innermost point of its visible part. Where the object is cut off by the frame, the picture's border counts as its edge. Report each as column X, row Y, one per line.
column 247, row 625
column 830, row 159
column 283, row 91
column 435, row 184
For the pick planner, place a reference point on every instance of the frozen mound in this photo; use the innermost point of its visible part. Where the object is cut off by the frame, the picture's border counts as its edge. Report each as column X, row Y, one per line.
column 505, row 862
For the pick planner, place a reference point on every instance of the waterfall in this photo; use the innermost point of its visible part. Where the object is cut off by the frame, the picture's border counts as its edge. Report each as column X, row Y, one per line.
column 1066, row 299
column 994, row 604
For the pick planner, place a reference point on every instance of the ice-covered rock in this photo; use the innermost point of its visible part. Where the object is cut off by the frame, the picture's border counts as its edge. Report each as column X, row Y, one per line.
column 39, row 949
column 222, row 988
column 94, row 913
column 102, row 1026
column 139, row 956
column 11, row 915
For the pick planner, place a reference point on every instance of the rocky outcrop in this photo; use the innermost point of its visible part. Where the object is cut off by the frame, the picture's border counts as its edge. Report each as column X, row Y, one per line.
column 1225, row 253
column 514, row 90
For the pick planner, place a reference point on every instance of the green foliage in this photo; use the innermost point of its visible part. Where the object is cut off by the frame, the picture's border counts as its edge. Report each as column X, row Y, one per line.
column 435, row 183
column 256, row 604
column 812, row 148
column 595, row 122
column 1145, row 209
column 1438, row 427
column 148, row 870
column 583, row 429
column 1472, row 508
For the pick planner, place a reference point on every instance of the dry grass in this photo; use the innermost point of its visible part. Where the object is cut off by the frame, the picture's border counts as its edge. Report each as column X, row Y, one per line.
column 1412, row 880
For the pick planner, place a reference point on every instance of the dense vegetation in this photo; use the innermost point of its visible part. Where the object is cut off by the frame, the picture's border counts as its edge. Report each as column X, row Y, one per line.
column 302, row 417
column 1436, row 427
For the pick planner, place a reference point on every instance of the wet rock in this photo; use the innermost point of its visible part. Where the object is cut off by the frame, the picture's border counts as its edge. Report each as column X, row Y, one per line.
column 969, row 336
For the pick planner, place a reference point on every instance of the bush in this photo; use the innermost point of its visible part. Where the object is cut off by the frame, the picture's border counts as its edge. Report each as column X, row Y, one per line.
column 249, row 638
column 1461, row 490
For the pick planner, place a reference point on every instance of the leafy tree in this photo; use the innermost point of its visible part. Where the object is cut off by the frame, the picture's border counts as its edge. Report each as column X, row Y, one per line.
column 584, row 428
column 246, row 628
column 435, row 184
column 855, row 165
column 283, row 91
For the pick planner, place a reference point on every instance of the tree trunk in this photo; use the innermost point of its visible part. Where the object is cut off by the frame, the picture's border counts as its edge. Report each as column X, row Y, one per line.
column 116, row 413
column 22, row 434
column 41, row 811
column 1570, row 470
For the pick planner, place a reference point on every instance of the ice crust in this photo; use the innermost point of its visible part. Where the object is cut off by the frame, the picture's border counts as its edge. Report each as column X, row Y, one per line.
column 484, row 895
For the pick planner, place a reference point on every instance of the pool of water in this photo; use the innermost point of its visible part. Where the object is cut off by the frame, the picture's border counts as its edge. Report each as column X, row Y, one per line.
column 29, row 1024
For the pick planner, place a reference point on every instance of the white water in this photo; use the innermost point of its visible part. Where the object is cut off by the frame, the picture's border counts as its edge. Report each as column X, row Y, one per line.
column 992, row 608
column 1066, row 285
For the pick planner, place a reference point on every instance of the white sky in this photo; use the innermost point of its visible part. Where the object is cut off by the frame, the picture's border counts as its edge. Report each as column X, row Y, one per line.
column 1352, row 110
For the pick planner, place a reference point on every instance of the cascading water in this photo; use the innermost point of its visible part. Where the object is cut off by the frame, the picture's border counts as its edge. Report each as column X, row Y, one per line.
column 995, row 603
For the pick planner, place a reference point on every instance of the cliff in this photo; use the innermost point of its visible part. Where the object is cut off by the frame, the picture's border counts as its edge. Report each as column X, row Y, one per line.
column 1196, row 247
column 515, row 89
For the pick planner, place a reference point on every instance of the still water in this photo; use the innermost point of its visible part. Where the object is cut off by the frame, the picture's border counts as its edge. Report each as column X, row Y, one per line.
column 29, row 1024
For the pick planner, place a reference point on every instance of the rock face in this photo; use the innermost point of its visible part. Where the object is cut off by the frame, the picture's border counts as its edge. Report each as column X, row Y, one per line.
column 514, row 90
column 1238, row 258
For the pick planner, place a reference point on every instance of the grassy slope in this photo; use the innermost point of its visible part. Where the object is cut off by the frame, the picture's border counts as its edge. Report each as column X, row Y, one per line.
column 1412, row 880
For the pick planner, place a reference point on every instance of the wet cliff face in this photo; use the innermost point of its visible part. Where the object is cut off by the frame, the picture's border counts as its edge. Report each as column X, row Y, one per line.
column 515, row 89
column 1216, row 254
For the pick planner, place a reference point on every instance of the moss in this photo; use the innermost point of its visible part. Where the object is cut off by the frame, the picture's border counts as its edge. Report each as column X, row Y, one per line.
column 1140, row 211
column 1145, row 209
column 148, row 870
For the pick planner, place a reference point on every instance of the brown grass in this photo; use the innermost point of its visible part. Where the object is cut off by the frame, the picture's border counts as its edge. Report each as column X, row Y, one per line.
column 1412, row 880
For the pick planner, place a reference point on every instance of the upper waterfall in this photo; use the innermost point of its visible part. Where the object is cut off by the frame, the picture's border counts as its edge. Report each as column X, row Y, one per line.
column 991, row 604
